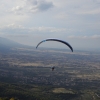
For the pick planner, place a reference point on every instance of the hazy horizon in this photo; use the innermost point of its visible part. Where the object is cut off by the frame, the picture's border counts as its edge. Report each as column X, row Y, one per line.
column 46, row 45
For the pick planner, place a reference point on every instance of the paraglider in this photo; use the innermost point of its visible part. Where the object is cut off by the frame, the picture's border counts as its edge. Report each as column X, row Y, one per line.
column 64, row 42
column 53, row 68
column 57, row 40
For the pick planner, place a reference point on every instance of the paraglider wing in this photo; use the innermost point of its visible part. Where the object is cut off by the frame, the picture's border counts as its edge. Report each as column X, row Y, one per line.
column 58, row 41
column 40, row 43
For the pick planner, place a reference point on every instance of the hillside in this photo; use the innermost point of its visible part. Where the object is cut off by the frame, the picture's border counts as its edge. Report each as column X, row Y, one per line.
column 6, row 44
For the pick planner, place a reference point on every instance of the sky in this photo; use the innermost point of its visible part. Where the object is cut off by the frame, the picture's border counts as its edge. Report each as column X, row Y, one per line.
column 31, row 21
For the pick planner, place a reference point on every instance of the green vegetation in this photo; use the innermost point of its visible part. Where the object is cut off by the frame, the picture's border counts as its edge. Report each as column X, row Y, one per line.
column 25, row 74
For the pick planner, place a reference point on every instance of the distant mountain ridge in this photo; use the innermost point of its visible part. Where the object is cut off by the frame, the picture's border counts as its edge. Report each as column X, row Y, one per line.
column 6, row 44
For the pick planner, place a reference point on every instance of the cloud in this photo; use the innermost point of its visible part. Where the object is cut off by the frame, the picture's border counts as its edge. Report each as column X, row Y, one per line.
column 62, row 15
column 13, row 29
column 88, row 7
column 95, row 36
column 19, row 29
column 17, row 8
column 32, row 6
column 48, row 29
column 96, row 1
column 92, row 12
column 37, row 5
column 84, row 37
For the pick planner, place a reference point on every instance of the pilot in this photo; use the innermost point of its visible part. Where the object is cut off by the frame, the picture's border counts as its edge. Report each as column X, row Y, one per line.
column 53, row 68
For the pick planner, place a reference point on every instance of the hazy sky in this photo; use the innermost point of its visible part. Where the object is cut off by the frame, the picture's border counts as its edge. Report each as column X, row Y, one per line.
column 30, row 21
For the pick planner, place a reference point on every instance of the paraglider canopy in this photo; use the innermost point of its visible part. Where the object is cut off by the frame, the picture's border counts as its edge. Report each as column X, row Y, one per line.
column 64, row 42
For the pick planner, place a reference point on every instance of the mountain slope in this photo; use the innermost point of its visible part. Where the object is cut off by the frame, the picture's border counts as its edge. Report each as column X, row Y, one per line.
column 7, row 45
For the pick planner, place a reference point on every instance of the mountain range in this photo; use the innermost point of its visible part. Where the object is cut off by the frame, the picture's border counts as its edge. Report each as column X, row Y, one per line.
column 7, row 45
